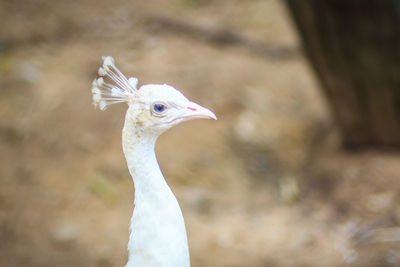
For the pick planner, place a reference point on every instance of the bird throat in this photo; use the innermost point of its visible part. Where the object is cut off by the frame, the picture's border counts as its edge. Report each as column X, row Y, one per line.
column 158, row 234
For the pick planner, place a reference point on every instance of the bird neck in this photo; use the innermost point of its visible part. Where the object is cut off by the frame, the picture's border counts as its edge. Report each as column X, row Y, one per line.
column 158, row 234
column 140, row 157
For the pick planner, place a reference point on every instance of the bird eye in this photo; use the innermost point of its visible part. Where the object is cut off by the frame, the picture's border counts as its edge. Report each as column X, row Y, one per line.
column 158, row 108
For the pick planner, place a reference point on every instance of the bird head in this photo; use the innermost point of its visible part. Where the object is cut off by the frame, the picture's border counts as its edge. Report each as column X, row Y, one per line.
column 153, row 107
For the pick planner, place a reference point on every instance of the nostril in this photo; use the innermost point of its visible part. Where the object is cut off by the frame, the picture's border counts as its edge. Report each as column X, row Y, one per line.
column 192, row 109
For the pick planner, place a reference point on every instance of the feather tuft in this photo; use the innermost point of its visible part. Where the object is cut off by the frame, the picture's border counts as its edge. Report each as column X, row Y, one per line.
column 103, row 105
column 133, row 81
column 108, row 61
column 102, row 72
column 100, row 81
column 95, row 90
column 112, row 86
column 96, row 98
column 115, row 91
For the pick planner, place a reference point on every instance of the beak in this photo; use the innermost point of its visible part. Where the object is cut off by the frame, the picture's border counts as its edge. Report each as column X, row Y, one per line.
column 195, row 111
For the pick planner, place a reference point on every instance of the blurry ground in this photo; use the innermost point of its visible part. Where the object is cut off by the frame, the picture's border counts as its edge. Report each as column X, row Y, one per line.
column 265, row 185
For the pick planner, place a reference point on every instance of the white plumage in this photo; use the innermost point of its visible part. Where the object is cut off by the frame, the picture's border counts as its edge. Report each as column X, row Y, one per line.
column 158, row 234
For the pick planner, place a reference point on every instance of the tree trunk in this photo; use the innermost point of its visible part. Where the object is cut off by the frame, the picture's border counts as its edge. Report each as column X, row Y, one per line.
column 354, row 47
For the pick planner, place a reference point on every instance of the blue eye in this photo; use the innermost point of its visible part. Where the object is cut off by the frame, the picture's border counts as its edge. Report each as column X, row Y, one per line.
column 159, row 108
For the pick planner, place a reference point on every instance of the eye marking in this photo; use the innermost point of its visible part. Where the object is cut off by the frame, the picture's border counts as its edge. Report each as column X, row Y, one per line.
column 159, row 108
column 192, row 109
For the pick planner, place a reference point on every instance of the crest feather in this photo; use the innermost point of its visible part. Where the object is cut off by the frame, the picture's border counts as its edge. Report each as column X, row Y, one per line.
column 112, row 86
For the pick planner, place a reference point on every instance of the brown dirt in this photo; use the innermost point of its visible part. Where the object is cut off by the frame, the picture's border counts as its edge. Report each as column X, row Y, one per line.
column 265, row 185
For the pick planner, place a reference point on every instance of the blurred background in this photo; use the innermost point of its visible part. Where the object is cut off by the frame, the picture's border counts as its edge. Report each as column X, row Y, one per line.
column 301, row 169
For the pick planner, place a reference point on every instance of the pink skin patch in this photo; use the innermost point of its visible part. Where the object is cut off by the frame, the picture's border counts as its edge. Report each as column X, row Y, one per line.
column 192, row 109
